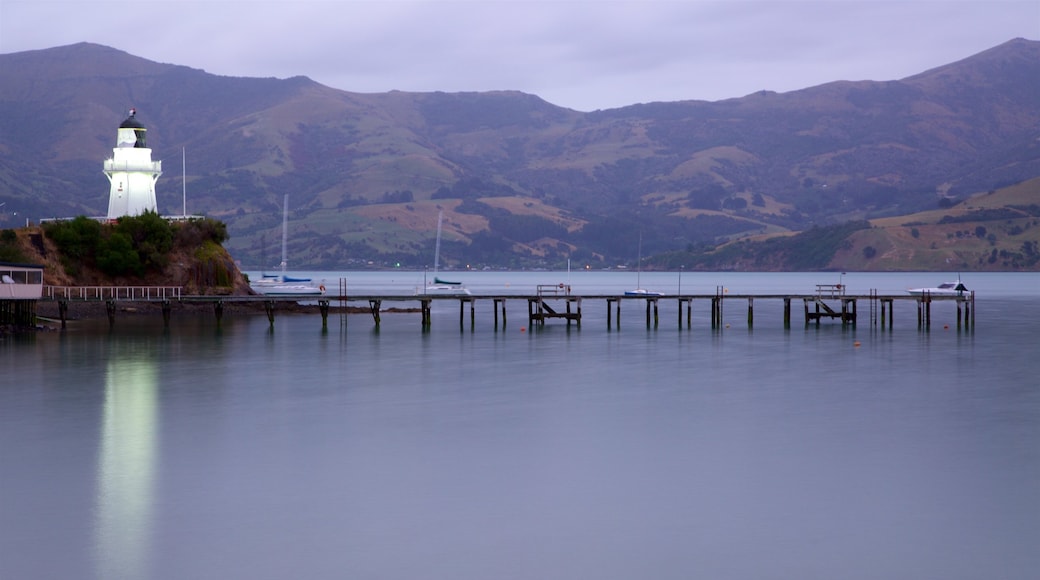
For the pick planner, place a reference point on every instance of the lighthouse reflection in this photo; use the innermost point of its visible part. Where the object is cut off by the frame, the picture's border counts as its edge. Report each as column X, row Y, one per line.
column 126, row 468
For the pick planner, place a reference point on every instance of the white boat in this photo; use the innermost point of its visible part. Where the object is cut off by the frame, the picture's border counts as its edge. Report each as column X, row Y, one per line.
column 280, row 284
column 439, row 286
column 946, row 289
column 642, row 292
column 277, row 287
column 639, row 290
column 446, row 289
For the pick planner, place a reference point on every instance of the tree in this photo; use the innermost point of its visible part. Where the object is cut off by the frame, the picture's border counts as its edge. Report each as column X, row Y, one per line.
column 116, row 255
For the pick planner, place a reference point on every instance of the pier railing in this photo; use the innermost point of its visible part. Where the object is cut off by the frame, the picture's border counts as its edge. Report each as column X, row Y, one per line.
column 554, row 289
column 143, row 293
column 830, row 290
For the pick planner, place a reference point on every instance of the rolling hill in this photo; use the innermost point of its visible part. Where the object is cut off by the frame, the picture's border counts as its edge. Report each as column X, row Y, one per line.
column 525, row 183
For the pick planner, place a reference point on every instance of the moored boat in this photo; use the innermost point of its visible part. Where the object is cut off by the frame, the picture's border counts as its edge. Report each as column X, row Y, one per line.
column 285, row 286
column 945, row 289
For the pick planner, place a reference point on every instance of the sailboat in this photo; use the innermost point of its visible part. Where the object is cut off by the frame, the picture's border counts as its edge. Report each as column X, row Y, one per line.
column 639, row 290
column 283, row 285
column 441, row 286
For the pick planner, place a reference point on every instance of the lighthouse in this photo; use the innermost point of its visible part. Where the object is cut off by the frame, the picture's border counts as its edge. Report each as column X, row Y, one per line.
column 131, row 171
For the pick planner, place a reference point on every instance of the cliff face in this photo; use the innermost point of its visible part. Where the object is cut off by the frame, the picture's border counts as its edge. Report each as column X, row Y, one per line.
column 206, row 269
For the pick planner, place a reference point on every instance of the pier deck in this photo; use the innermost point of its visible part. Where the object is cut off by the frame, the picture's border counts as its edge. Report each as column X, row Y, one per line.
column 829, row 302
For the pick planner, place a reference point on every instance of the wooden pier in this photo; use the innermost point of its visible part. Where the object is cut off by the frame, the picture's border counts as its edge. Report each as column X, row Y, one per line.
column 549, row 303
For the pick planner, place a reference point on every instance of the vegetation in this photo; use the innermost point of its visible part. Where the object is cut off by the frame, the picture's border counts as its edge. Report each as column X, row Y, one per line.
column 812, row 249
column 9, row 250
column 133, row 245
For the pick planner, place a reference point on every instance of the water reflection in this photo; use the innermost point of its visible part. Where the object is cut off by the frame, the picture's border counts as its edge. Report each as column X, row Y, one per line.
column 126, row 468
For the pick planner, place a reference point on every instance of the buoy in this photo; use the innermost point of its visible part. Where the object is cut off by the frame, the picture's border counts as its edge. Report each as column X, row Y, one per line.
column 727, row 326
column 322, row 288
column 523, row 329
column 946, row 327
column 856, row 344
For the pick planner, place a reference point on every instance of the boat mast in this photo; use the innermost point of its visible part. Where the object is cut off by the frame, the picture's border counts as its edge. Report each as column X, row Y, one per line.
column 437, row 247
column 639, row 262
column 184, row 184
column 285, row 229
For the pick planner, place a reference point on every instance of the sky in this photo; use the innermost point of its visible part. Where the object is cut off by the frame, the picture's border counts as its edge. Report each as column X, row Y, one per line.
column 580, row 54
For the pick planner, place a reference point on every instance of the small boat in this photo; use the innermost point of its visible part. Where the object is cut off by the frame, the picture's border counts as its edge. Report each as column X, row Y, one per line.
column 446, row 289
column 276, row 287
column 440, row 286
column 281, row 284
column 639, row 290
column 946, row 289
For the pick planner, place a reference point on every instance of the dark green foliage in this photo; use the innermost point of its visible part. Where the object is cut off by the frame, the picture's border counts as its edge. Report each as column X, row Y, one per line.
column 132, row 246
column 982, row 215
column 516, row 227
column 734, row 203
column 77, row 239
column 9, row 250
column 150, row 235
column 405, row 196
column 810, row 250
column 473, row 188
column 195, row 232
column 707, row 197
column 1031, row 210
column 116, row 255
column 814, row 248
column 869, row 252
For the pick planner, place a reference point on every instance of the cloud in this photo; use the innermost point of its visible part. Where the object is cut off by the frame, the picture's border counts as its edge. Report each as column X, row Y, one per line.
column 581, row 54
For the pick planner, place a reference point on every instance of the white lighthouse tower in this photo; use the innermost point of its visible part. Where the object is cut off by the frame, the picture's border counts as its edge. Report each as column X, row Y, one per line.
column 131, row 171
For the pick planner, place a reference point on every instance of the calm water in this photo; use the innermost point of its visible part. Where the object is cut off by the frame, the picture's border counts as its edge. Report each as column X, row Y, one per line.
column 245, row 452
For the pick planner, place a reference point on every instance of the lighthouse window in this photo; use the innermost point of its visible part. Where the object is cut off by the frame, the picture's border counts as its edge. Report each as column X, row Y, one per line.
column 140, row 138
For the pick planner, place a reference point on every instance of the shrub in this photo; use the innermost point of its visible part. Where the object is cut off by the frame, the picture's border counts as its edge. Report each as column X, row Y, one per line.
column 9, row 250
column 116, row 255
column 77, row 239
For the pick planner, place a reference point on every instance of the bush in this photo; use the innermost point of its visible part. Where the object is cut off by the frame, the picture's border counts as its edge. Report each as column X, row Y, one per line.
column 133, row 245
column 9, row 250
column 77, row 239
column 196, row 232
column 116, row 256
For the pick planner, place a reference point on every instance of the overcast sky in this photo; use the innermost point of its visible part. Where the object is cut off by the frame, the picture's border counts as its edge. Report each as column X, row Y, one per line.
column 580, row 54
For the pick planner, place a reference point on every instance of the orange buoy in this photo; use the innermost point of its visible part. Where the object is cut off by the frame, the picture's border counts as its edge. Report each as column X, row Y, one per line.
column 856, row 344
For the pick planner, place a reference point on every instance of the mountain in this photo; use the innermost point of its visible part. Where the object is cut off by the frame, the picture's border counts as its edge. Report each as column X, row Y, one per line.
column 522, row 182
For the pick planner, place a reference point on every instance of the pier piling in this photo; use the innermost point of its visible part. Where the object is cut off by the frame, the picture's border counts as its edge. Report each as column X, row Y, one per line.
column 830, row 301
